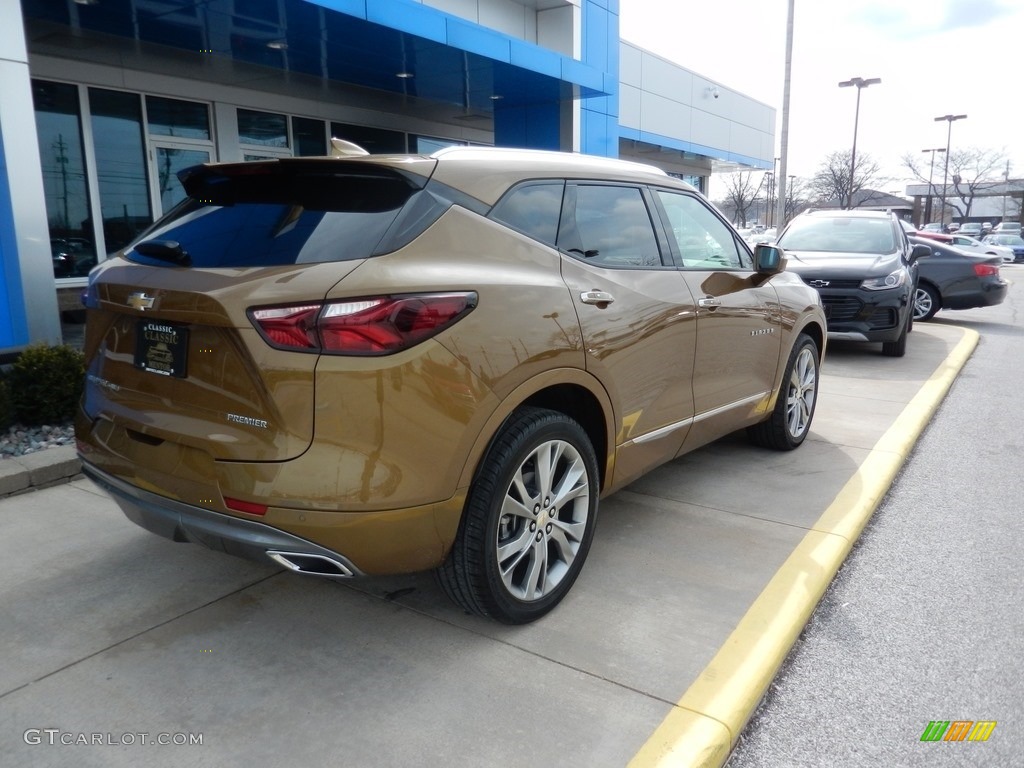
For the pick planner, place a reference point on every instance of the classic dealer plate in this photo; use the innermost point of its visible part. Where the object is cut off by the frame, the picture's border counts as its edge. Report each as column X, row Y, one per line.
column 161, row 348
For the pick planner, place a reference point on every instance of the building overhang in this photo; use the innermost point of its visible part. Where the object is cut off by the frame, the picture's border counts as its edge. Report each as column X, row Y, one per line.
column 397, row 46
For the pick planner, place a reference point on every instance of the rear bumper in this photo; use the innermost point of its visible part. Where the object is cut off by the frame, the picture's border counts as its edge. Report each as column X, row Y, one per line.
column 182, row 522
column 989, row 294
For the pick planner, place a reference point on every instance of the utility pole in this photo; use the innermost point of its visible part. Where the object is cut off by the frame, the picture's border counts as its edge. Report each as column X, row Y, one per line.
column 62, row 161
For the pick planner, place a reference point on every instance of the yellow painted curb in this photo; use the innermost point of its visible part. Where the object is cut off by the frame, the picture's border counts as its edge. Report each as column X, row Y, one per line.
column 702, row 728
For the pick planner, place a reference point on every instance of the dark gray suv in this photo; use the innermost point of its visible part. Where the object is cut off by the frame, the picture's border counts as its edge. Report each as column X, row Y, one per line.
column 864, row 268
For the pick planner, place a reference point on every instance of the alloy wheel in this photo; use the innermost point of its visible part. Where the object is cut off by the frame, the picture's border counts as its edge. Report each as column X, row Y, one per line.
column 543, row 520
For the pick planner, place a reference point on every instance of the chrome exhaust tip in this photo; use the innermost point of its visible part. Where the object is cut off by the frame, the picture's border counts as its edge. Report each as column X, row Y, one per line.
column 312, row 565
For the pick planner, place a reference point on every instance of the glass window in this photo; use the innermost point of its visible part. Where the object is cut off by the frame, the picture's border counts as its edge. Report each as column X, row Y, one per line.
column 310, row 137
column 704, row 240
column 376, row 141
column 613, row 228
column 120, row 165
column 697, row 182
column 426, row 145
column 264, row 129
column 173, row 117
column 59, row 131
column 532, row 209
column 170, row 160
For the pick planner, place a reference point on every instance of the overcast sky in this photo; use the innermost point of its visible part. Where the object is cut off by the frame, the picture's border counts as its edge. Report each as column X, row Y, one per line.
column 935, row 57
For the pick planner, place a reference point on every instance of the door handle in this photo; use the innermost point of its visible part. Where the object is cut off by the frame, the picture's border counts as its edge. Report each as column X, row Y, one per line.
column 709, row 301
column 596, row 297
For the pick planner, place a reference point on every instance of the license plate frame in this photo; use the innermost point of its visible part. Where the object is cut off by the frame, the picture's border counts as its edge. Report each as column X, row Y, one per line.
column 161, row 348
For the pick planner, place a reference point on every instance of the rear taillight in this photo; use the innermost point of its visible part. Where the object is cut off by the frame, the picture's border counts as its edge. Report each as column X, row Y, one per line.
column 986, row 270
column 377, row 325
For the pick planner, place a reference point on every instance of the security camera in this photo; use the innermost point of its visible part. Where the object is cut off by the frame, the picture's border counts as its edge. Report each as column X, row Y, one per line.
column 711, row 90
column 715, row 93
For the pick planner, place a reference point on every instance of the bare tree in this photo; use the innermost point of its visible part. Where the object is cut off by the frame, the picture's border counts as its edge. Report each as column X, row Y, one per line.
column 832, row 183
column 740, row 193
column 917, row 167
column 972, row 171
column 798, row 196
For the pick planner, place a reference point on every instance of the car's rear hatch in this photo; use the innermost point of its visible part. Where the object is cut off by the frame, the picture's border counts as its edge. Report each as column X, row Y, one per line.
column 171, row 351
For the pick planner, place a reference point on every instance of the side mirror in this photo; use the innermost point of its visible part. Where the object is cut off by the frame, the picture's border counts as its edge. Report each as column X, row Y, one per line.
column 919, row 251
column 769, row 259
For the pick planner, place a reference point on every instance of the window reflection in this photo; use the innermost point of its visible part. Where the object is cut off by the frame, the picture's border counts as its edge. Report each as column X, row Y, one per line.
column 426, row 145
column 169, row 161
column 59, row 131
column 376, row 141
column 262, row 128
column 181, row 119
column 310, row 137
column 120, row 165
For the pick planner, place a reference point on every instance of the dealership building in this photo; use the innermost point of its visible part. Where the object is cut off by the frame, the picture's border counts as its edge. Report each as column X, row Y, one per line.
column 102, row 102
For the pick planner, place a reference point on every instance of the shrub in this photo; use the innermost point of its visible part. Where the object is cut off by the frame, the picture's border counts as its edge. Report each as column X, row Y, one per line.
column 6, row 408
column 45, row 384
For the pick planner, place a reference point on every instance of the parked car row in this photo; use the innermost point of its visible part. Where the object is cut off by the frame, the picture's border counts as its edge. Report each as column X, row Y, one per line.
column 877, row 274
column 1015, row 243
column 974, row 229
column 989, row 245
column 865, row 268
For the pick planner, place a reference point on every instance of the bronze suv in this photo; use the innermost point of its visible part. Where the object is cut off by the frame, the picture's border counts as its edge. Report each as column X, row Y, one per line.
column 386, row 364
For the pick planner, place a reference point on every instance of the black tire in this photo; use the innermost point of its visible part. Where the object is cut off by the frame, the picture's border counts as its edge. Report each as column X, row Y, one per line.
column 521, row 545
column 791, row 417
column 898, row 348
column 926, row 302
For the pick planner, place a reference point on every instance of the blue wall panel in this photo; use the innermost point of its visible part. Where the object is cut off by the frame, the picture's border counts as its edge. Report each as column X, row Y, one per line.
column 476, row 39
column 13, row 320
column 599, row 125
column 535, row 127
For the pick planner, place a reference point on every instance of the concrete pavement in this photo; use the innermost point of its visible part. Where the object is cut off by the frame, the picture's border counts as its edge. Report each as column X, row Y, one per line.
column 701, row 576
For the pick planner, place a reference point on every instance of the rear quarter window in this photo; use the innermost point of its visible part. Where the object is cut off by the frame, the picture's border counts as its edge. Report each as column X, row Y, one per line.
column 532, row 209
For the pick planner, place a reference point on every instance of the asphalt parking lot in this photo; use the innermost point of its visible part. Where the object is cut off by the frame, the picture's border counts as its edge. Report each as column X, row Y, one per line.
column 701, row 576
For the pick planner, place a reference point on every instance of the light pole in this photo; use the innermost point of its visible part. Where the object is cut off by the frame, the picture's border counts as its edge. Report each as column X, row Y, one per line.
column 861, row 84
column 931, row 187
column 1006, row 186
column 784, row 145
column 945, row 175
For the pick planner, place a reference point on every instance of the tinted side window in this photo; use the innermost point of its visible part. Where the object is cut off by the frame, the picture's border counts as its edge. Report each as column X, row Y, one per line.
column 704, row 240
column 533, row 209
column 612, row 227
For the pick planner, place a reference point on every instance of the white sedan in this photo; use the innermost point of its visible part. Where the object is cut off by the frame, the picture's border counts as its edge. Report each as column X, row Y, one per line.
column 972, row 245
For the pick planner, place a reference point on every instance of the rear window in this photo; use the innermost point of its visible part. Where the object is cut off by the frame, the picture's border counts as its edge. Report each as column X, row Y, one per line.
column 239, row 216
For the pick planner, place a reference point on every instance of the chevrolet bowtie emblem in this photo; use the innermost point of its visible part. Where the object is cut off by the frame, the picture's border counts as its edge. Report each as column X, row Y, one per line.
column 819, row 283
column 140, row 301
